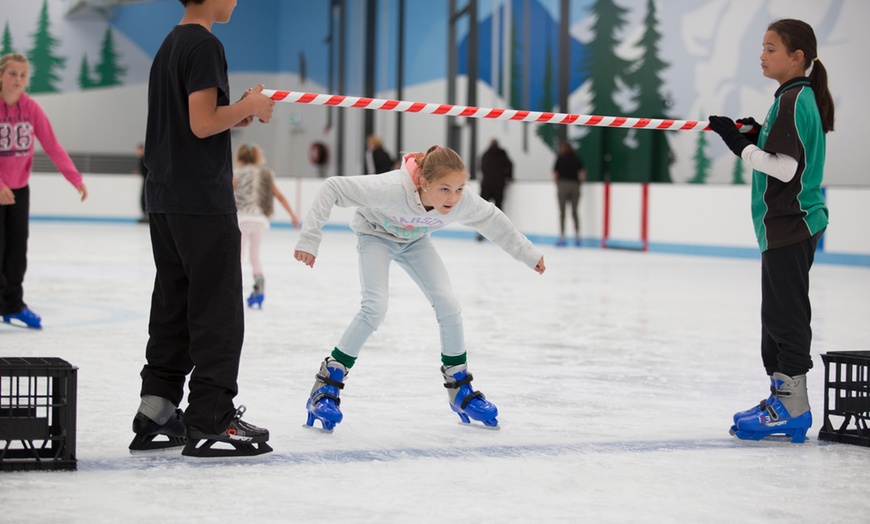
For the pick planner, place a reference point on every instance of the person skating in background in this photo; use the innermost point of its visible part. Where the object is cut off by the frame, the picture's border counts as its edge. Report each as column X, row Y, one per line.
column 377, row 159
column 498, row 171
column 396, row 212
column 256, row 192
column 22, row 122
column 787, row 155
column 568, row 174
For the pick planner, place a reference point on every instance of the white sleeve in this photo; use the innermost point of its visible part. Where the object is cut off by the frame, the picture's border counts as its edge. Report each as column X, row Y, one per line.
column 781, row 167
column 336, row 191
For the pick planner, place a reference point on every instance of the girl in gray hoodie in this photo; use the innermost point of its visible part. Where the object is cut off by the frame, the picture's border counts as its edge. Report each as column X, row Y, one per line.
column 396, row 212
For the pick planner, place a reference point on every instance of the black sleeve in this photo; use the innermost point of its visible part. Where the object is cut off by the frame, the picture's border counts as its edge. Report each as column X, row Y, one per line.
column 207, row 67
column 783, row 136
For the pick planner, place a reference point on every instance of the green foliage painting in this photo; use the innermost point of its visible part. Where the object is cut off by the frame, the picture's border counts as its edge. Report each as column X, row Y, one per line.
column 602, row 146
column 7, row 41
column 701, row 160
column 85, row 81
column 650, row 160
column 44, row 64
column 109, row 71
column 737, row 173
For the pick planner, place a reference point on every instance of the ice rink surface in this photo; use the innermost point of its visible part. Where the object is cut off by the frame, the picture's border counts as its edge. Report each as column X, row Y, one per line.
column 615, row 373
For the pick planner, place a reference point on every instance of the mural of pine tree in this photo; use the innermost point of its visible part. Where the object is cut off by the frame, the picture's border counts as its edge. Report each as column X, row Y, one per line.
column 548, row 133
column 85, row 81
column 603, row 149
column 109, row 71
column 737, row 173
column 651, row 159
column 43, row 62
column 701, row 160
column 7, row 41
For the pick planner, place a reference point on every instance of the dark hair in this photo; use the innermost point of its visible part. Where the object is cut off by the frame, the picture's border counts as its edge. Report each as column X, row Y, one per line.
column 796, row 35
column 565, row 149
column 185, row 2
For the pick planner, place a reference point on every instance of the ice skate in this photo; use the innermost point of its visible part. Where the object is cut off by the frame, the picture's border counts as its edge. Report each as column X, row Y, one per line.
column 465, row 402
column 755, row 409
column 323, row 403
column 152, row 436
column 258, row 294
column 789, row 413
column 245, row 439
column 26, row 316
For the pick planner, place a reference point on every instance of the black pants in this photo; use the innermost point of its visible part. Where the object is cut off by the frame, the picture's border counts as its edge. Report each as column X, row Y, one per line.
column 14, row 231
column 785, row 307
column 197, row 316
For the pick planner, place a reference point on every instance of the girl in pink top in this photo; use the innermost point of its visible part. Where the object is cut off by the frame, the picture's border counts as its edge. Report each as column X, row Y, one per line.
column 21, row 121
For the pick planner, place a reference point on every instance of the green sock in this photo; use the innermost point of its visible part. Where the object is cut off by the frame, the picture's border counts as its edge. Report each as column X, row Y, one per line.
column 455, row 360
column 343, row 358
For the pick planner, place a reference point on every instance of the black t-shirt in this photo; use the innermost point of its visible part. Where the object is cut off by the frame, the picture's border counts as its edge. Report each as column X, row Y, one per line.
column 568, row 167
column 186, row 174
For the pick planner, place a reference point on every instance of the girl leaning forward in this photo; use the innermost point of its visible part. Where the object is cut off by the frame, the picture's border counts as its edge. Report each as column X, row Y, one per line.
column 396, row 212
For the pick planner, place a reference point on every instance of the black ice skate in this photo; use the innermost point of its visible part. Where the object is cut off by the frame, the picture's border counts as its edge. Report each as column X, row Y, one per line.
column 246, row 440
column 151, row 436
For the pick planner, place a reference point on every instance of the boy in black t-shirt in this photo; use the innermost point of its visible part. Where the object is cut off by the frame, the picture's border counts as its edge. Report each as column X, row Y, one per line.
column 197, row 318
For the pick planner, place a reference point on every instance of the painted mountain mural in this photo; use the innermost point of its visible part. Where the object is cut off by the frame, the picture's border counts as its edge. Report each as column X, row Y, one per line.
column 544, row 45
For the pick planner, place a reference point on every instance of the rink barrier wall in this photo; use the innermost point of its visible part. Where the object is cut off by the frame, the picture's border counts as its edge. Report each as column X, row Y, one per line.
column 686, row 219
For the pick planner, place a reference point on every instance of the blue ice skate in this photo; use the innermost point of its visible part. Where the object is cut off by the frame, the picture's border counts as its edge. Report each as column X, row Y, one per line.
column 256, row 300
column 28, row 317
column 259, row 292
column 464, row 401
column 323, row 403
column 789, row 414
column 755, row 410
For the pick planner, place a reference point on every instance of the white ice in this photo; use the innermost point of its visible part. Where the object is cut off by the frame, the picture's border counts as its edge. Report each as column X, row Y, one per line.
column 616, row 374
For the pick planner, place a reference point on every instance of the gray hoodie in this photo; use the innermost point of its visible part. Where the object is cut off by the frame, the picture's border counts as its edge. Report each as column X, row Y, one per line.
column 389, row 206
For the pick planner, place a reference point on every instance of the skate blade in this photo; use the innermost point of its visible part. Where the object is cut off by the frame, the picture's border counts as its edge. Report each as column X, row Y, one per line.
column 319, row 430
column 204, row 448
column 484, row 427
column 798, row 437
column 146, row 444
column 14, row 322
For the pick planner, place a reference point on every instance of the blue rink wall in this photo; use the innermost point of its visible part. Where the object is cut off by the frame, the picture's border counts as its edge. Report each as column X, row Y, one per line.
column 708, row 220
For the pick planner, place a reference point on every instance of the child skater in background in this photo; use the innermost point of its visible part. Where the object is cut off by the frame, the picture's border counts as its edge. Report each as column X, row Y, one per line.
column 789, row 213
column 396, row 212
column 21, row 121
column 256, row 191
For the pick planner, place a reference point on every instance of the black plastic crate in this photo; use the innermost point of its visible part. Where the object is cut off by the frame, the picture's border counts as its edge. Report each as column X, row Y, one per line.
column 847, row 397
column 37, row 413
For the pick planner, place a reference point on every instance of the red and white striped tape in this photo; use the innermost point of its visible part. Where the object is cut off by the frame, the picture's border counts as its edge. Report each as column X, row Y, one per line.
column 516, row 115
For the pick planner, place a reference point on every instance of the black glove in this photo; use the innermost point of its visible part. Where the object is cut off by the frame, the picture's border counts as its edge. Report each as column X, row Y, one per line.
column 752, row 136
column 727, row 129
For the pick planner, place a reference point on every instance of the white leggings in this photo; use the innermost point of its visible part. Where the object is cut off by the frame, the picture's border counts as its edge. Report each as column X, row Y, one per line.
column 252, row 237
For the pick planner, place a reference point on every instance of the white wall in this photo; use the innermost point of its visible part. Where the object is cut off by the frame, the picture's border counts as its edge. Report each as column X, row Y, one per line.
column 679, row 215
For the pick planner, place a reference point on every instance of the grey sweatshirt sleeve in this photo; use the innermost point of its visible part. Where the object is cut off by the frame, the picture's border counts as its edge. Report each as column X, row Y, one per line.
column 351, row 191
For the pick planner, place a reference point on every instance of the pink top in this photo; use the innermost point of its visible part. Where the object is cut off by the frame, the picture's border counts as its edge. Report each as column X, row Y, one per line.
column 20, row 123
